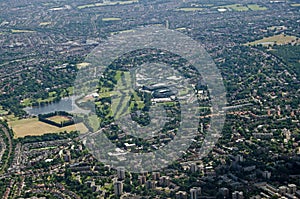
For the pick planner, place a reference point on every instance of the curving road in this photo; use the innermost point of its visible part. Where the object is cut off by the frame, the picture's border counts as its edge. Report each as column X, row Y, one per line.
column 5, row 165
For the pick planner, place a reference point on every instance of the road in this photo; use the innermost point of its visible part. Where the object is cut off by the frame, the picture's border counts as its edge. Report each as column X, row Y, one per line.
column 4, row 129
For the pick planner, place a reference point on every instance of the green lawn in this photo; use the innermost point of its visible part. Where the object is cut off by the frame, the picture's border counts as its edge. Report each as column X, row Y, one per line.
column 2, row 111
column 111, row 19
column 58, row 119
column 107, row 4
column 280, row 39
column 235, row 7
column 243, row 8
column 189, row 9
column 94, row 122
column 32, row 126
column 45, row 23
column 22, row 31
column 295, row 4
column 256, row 7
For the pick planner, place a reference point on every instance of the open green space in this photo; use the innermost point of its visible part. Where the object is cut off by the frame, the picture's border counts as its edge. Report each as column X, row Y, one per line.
column 94, row 122
column 123, row 31
column 59, row 118
column 295, row 5
column 235, row 7
column 111, row 19
column 45, row 23
column 52, row 96
column 22, row 31
column 256, row 7
column 2, row 111
column 189, row 9
column 107, row 4
column 243, row 8
column 280, row 39
column 82, row 65
column 33, row 126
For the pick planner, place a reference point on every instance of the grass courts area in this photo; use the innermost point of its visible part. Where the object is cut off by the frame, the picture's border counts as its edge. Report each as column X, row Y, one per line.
column 242, row 8
column 111, row 19
column 189, row 9
column 22, row 31
column 295, row 5
column 2, row 111
column 34, row 127
column 107, row 4
column 82, row 65
column 223, row 8
column 59, row 118
column 280, row 39
column 45, row 23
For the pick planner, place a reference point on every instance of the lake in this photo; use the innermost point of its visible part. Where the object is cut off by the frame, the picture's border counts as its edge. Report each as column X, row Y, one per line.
column 65, row 104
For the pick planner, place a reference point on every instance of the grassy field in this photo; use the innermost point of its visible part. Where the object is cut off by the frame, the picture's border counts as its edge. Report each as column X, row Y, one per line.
column 189, row 9
column 82, row 65
column 57, row 9
column 52, row 97
column 243, row 8
column 2, row 111
column 111, row 19
column 256, row 7
column 58, row 119
column 10, row 117
column 280, row 39
column 94, row 122
column 179, row 29
column 114, row 105
column 28, row 102
column 107, row 4
column 295, row 4
column 235, row 7
column 32, row 126
column 123, row 31
column 22, row 31
column 45, row 23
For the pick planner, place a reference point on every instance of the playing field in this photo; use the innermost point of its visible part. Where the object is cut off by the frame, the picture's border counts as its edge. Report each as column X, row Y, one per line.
column 236, row 7
column 280, row 39
column 22, row 31
column 45, row 23
column 256, row 7
column 111, row 19
column 189, row 9
column 58, row 119
column 2, row 111
column 32, row 126
column 242, row 8
column 296, row 5
column 107, row 4
column 82, row 65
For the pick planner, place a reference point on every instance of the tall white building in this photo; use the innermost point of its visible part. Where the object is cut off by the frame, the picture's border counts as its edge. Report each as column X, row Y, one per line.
column 194, row 168
column 118, row 188
column 224, row 192
column 292, row 188
column 195, row 192
column 121, row 173
column 237, row 195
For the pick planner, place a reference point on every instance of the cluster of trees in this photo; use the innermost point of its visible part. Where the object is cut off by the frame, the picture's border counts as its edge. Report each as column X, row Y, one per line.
column 36, row 83
column 7, row 157
column 49, row 137
column 289, row 54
